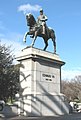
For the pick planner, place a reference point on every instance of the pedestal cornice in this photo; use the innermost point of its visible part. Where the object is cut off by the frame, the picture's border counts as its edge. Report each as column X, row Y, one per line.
column 37, row 54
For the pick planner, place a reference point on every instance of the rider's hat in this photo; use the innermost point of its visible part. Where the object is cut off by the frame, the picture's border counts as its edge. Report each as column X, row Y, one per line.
column 41, row 10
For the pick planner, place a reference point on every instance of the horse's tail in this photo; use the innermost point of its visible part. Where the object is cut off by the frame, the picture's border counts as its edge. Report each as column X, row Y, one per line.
column 52, row 33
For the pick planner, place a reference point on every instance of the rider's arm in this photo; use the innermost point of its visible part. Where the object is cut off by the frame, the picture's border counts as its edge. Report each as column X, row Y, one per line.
column 44, row 18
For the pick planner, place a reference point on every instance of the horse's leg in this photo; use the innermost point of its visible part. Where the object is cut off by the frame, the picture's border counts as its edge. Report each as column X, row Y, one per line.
column 54, row 43
column 35, row 36
column 25, row 36
column 53, row 37
column 46, row 44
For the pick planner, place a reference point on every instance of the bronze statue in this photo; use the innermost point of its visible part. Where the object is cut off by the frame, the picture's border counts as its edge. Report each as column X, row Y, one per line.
column 41, row 21
column 41, row 30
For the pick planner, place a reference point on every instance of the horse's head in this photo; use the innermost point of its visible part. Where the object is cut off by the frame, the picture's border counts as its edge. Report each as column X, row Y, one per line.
column 30, row 20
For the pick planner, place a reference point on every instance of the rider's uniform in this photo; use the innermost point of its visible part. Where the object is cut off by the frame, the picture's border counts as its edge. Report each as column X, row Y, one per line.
column 41, row 21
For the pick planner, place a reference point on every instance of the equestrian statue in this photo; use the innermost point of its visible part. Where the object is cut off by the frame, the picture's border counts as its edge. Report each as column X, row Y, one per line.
column 39, row 29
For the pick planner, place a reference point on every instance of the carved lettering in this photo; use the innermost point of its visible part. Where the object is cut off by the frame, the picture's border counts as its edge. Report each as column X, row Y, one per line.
column 45, row 75
column 48, row 77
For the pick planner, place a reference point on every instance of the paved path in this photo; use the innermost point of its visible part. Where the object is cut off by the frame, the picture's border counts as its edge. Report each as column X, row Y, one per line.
column 76, row 116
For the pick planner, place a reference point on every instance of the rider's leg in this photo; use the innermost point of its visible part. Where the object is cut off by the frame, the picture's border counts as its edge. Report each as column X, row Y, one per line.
column 43, row 25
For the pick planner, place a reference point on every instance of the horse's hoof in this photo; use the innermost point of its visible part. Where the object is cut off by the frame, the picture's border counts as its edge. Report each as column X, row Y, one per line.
column 54, row 52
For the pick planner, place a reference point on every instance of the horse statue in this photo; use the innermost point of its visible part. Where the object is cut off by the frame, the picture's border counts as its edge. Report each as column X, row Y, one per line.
column 35, row 30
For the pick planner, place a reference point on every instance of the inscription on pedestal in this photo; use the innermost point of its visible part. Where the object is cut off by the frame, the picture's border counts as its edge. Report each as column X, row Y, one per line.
column 47, row 77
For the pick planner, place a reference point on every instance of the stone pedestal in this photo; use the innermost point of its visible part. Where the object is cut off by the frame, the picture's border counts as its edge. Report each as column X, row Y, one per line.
column 40, row 84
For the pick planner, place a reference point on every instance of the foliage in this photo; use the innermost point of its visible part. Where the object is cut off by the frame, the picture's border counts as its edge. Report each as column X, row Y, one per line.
column 72, row 89
column 9, row 74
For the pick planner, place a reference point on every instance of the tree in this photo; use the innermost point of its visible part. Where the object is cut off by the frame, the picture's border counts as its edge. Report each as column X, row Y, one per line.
column 13, row 81
column 72, row 88
column 77, row 86
column 9, row 73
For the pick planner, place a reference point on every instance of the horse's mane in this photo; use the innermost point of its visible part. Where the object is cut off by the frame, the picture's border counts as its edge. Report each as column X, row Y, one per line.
column 32, row 20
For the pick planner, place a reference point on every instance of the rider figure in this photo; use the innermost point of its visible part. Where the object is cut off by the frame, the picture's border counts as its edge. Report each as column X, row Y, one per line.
column 41, row 21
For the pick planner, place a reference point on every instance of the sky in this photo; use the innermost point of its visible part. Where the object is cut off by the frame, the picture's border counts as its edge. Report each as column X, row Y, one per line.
column 64, row 16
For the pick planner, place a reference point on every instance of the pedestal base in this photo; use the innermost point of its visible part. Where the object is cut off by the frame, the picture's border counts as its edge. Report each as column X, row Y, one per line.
column 40, row 81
